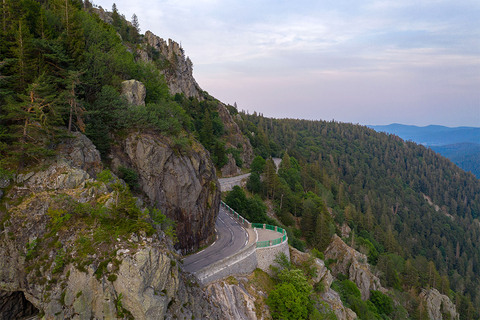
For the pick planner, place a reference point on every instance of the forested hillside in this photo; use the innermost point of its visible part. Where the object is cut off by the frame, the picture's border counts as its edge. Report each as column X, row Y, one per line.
column 461, row 144
column 414, row 213
column 61, row 66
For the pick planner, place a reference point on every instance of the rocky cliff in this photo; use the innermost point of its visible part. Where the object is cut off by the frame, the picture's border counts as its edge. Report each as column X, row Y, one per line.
column 439, row 306
column 238, row 299
column 330, row 296
column 77, row 247
column 134, row 92
column 177, row 68
column 234, row 139
column 353, row 264
column 182, row 183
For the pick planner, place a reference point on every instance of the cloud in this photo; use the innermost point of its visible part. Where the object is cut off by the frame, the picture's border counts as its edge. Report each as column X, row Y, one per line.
column 337, row 57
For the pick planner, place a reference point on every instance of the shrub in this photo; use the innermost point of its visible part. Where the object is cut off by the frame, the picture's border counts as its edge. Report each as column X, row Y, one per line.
column 382, row 302
column 291, row 297
column 129, row 176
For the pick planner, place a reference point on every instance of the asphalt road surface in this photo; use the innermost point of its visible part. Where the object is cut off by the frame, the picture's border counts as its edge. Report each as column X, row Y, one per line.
column 231, row 237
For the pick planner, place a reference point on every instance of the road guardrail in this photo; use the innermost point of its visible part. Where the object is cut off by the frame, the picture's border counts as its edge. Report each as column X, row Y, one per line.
column 248, row 224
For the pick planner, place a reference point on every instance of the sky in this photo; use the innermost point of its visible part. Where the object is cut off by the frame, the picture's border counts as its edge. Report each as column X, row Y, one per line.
column 360, row 61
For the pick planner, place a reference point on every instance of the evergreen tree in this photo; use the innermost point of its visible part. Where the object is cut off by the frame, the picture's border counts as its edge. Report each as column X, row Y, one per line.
column 30, row 122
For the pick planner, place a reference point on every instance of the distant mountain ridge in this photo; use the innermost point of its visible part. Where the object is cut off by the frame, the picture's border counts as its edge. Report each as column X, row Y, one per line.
column 459, row 144
column 432, row 135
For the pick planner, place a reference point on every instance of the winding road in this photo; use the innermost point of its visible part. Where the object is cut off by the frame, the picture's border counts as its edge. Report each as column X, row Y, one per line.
column 231, row 237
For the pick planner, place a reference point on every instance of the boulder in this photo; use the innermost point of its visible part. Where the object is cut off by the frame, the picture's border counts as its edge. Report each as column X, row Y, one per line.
column 439, row 306
column 183, row 184
column 134, row 91
column 352, row 264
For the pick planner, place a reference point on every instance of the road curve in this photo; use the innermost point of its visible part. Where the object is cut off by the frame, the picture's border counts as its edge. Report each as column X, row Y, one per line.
column 231, row 237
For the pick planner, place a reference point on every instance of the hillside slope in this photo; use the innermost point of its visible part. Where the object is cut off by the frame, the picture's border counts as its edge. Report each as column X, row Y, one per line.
column 461, row 144
column 405, row 204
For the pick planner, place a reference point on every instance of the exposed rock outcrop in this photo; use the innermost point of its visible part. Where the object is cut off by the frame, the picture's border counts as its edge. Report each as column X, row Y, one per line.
column 13, row 305
column 322, row 274
column 439, row 306
column 178, row 69
column 331, row 297
column 134, row 91
column 81, row 153
column 235, row 139
column 182, row 184
column 230, row 169
column 57, row 247
column 353, row 264
column 235, row 300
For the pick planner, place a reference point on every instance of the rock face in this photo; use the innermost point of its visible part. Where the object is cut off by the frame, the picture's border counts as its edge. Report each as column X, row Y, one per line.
column 178, row 68
column 13, row 305
column 182, row 184
column 134, row 91
column 439, row 306
column 230, row 169
column 353, row 264
column 53, row 219
column 331, row 297
column 81, row 153
column 235, row 301
column 234, row 139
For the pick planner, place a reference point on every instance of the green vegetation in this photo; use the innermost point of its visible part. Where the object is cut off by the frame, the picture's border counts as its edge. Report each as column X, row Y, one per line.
column 335, row 174
column 293, row 296
column 98, row 226
column 121, row 311
column 61, row 69
column 252, row 209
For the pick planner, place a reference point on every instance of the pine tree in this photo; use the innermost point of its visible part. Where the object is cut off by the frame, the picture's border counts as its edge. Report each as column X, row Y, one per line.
column 71, row 98
column 21, row 54
column 271, row 178
column 135, row 23
column 30, row 122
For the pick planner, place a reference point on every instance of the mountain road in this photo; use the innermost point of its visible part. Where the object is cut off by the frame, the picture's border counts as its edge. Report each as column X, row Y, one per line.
column 231, row 237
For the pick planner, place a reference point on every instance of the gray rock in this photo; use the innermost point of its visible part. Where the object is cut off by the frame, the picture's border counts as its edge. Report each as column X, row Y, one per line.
column 4, row 182
column 179, row 74
column 331, row 297
column 134, row 91
column 182, row 184
column 81, row 153
column 235, row 301
column 438, row 304
column 230, row 169
column 234, row 136
column 148, row 281
column 354, row 264
column 13, row 305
